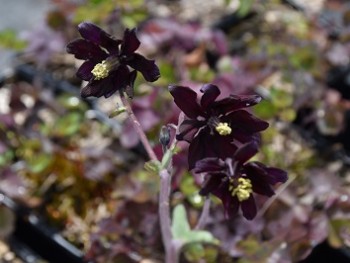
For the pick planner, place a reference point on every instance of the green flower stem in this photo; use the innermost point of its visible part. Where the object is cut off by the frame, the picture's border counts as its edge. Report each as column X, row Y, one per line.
column 170, row 245
column 164, row 216
column 138, row 128
column 204, row 215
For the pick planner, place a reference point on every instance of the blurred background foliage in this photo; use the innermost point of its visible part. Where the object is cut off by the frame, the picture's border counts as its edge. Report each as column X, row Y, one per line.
column 68, row 160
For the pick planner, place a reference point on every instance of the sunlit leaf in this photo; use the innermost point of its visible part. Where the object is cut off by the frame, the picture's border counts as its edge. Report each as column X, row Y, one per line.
column 40, row 162
column 9, row 39
column 181, row 229
column 244, row 7
column 68, row 124
column 191, row 191
column 281, row 98
column 180, row 226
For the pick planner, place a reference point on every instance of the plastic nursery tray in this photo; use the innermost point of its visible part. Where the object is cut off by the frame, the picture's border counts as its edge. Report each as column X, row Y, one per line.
column 33, row 240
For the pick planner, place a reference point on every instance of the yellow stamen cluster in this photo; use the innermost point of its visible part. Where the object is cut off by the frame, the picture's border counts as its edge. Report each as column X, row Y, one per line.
column 243, row 190
column 100, row 70
column 223, row 129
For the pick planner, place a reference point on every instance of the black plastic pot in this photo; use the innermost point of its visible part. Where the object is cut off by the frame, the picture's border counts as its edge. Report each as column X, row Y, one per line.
column 324, row 253
column 34, row 239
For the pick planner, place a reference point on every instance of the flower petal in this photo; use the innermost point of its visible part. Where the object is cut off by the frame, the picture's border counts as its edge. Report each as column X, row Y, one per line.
column 211, row 92
column 96, row 88
column 249, row 208
column 210, row 165
column 206, row 145
column 130, row 42
column 148, row 68
column 121, row 78
column 188, row 129
column 276, row 175
column 84, row 72
column 99, row 37
column 245, row 152
column 211, row 183
column 260, row 178
column 230, row 203
column 245, row 121
column 186, row 100
column 129, row 89
column 107, row 86
column 235, row 102
column 273, row 175
column 83, row 49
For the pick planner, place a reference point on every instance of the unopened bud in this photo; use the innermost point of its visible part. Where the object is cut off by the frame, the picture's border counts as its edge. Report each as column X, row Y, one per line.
column 164, row 136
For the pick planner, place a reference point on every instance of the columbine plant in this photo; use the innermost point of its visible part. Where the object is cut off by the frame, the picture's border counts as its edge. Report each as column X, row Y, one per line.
column 222, row 133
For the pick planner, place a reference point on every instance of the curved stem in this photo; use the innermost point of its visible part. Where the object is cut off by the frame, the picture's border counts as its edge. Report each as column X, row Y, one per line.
column 138, row 128
column 204, row 215
column 171, row 248
column 269, row 202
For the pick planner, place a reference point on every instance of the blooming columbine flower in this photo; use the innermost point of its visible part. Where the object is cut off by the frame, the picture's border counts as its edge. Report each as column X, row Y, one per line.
column 234, row 181
column 108, row 61
column 212, row 127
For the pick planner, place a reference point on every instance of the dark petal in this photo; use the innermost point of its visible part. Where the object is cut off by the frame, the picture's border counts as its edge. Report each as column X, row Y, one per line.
column 84, row 72
column 211, row 92
column 245, row 152
column 83, row 49
column 107, row 86
column 99, row 37
column 235, row 102
column 129, row 90
column 245, row 121
column 230, row 203
column 273, row 175
column 249, row 208
column 96, row 88
column 130, row 42
column 260, row 179
column 276, row 175
column 206, row 145
column 186, row 100
column 188, row 128
column 245, row 137
column 210, row 165
column 148, row 68
column 120, row 79
column 211, row 183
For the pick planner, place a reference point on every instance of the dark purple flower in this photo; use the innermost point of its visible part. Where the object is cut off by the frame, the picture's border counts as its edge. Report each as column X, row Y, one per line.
column 234, row 181
column 213, row 126
column 108, row 61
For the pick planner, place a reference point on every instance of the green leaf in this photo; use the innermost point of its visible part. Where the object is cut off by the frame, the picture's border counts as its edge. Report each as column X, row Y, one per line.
column 182, row 231
column 118, row 111
column 191, row 191
column 40, row 162
column 166, row 159
column 68, row 124
column 180, row 226
column 153, row 166
column 281, row 98
column 244, row 7
column 265, row 110
column 9, row 39
column 194, row 252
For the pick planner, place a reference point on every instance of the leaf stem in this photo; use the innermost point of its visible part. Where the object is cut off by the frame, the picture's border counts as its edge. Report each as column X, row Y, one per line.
column 204, row 215
column 171, row 254
column 138, row 128
column 171, row 248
